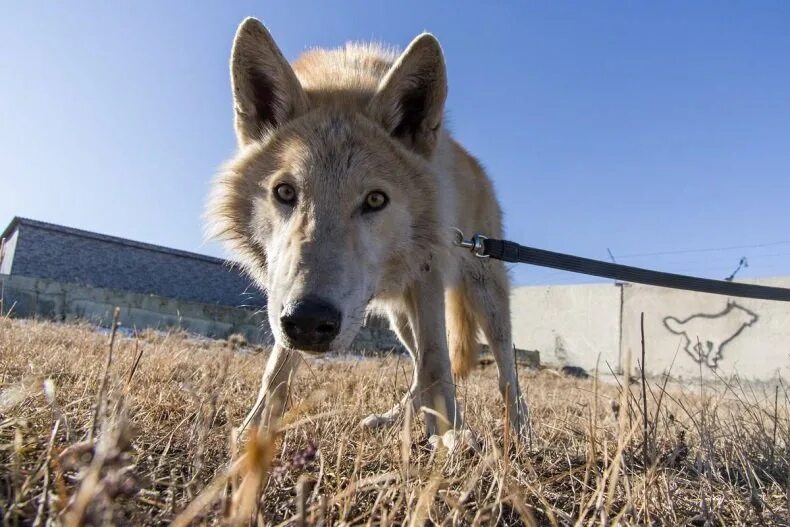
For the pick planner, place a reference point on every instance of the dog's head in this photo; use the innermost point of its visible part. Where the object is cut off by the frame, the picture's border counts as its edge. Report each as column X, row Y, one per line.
column 328, row 202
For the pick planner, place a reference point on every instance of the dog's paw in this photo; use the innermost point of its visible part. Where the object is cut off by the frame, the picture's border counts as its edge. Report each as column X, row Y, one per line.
column 455, row 441
column 521, row 425
column 374, row 421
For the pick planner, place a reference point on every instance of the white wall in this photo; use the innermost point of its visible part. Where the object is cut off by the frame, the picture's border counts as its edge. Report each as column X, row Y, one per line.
column 708, row 335
column 720, row 336
column 570, row 324
column 7, row 253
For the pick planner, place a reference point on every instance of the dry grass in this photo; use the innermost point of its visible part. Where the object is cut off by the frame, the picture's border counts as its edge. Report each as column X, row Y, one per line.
column 164, row 449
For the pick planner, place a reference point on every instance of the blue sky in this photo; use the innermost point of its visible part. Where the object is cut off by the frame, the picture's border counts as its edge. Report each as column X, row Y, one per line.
column 639, row 127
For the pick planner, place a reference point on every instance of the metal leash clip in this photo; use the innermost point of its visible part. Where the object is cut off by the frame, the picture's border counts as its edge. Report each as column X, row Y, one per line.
column 476, row 244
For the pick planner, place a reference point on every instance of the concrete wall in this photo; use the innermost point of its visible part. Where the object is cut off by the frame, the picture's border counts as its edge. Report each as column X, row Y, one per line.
column 29, row 297
column 569, row 325
column 35, row 297
column 708, row 335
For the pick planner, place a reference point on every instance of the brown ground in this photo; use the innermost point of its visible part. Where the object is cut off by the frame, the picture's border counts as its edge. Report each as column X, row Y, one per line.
column 164, row 451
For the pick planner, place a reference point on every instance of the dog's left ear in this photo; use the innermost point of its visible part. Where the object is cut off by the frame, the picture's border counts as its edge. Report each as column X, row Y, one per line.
column 409, row 102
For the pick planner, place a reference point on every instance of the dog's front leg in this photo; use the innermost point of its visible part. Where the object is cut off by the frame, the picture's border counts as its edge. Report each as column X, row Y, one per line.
column 273, row 394
column 399, row 323
column 435, row 384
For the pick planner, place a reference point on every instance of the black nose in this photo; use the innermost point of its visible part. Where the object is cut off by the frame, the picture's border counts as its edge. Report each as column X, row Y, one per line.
column 310, row 324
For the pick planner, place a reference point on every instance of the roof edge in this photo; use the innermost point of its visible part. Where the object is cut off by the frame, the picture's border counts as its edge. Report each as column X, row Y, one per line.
column 18, row 221
column 10, row 227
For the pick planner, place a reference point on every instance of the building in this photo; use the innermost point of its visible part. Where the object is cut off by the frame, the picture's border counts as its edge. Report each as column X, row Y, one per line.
column 43, row 250
column 60, row 272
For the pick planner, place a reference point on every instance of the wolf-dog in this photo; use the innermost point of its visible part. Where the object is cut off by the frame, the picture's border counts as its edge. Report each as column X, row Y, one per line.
column 341, row 201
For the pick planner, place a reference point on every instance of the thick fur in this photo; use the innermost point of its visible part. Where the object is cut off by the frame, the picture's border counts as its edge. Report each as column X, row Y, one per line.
column 461, row 332
column 335, row 125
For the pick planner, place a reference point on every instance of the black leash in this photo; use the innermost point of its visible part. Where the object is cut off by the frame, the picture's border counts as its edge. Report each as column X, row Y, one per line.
column 512, row 252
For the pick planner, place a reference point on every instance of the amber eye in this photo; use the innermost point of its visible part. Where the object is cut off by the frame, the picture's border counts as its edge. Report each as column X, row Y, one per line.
column 285, row 193
column 374, row 201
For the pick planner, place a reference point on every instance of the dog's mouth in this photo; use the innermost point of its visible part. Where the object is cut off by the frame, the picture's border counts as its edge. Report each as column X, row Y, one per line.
column 342, row 342
column 319, row 349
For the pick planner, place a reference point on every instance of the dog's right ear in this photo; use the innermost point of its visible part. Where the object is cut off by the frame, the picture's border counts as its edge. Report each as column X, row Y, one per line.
column 266, row 91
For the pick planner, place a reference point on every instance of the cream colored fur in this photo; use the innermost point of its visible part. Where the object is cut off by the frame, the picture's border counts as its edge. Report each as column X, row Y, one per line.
column 336, row 125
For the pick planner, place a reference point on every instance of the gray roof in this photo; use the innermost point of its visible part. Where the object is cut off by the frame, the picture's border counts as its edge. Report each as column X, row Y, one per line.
column 17, row 221
column 64, row 254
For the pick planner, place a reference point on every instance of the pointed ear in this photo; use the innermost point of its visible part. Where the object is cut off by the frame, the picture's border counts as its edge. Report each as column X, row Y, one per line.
column 409, row 102
column 266, row 91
